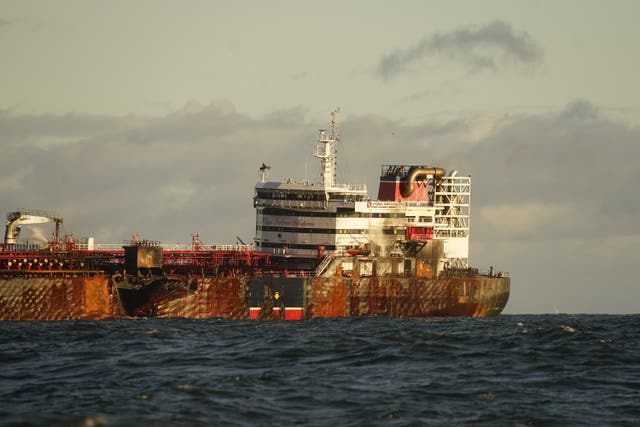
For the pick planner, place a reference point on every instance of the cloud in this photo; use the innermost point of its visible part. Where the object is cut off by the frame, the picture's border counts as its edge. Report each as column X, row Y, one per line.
column 46, row 130
column 524, row 218
column 580, row 110
column 166, row 177
column 478, row 48
column 574, row 155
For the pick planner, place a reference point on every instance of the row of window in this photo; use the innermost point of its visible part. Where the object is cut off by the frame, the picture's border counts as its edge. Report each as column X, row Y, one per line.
column 295, row 246
column 346, row 197
column 289, row 212
column 341, row 213
column 309, row 230
column 428, row 219
column 288, row 195
column 308, row 195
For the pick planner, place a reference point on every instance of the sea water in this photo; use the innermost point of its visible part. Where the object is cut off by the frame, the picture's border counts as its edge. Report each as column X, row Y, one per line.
column 512, row 370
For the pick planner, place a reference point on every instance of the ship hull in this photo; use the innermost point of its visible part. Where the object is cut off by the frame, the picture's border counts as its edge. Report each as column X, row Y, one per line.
column 58, row 298
column 288, row 298
column 392, row 297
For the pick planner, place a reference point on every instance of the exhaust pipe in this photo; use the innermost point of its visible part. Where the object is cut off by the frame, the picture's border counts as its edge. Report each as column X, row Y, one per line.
column 407, row 187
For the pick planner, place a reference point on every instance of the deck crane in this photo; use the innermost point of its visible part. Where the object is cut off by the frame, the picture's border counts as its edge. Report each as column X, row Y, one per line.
column 15, row 220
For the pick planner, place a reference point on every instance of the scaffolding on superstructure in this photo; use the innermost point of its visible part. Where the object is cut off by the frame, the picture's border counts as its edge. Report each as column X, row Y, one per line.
column 453, row 197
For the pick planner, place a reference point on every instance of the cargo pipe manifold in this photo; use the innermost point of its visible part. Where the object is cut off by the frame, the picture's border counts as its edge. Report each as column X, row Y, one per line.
column 407, row 187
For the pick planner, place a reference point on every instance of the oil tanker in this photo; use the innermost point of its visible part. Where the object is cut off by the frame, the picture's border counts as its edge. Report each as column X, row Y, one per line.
column 321, row 249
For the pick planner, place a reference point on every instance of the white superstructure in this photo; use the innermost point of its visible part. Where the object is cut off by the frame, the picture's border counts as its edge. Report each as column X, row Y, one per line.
column 420, row 212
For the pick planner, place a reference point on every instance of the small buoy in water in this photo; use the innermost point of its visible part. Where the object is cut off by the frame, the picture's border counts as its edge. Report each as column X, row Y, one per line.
column 519, row 324
column 568, row 329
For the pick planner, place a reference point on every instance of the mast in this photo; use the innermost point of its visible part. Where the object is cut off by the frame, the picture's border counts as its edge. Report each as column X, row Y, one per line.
column 326, row 152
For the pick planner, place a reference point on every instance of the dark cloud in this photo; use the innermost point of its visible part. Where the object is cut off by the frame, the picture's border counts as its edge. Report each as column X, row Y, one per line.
column 485, row 47
column 165, row 177
column 580, row 110
column 574, row 155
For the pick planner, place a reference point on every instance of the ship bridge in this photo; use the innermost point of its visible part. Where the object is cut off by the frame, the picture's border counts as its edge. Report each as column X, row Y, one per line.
column 419, row 208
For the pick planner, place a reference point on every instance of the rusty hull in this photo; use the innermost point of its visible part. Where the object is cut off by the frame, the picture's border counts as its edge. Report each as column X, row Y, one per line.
column 57, row 299
column 407, row 297
column 98, row 298
column 205, row 298
column 344, row 297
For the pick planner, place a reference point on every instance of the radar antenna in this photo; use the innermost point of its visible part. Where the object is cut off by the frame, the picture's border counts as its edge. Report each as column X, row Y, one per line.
column 326, row 152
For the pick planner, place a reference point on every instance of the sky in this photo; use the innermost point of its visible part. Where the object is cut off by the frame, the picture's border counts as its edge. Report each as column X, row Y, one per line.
column 153, row 117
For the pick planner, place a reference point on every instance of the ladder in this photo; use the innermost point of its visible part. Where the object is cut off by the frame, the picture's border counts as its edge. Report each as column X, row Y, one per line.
column 323, row 265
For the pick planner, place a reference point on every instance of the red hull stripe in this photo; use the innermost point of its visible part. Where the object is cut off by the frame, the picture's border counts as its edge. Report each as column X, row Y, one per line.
column 290, row 313
column 293, row 313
